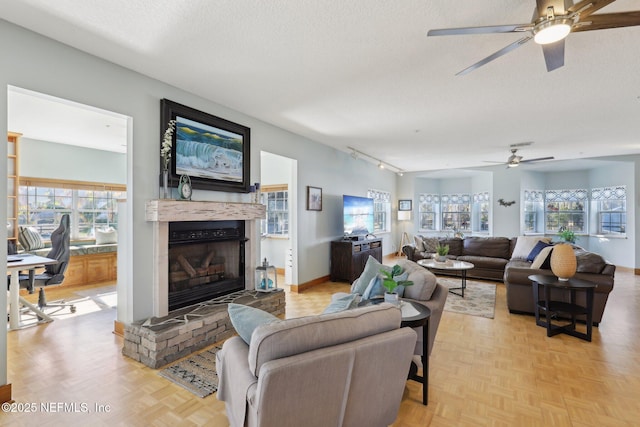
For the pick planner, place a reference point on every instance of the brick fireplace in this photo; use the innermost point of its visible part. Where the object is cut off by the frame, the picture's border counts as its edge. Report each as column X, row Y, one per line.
column 170, row 215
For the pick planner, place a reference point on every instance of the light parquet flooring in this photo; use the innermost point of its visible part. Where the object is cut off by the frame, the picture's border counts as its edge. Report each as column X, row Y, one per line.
column 484, row 372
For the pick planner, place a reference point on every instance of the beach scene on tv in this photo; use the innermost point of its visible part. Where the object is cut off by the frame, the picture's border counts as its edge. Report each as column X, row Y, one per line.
column 357, row 215
column 207, row 152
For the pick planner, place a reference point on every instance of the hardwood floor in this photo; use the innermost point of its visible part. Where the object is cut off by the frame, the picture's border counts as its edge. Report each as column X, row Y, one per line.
column 498, row 372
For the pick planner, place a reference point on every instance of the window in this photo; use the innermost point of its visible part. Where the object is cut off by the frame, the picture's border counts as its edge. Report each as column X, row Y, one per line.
column 428, row 206
column 381, row 210
column 610, row 204
column 481, row 212
column 90, row 206
column 566, row 208
column 533, row 212
column 456, row 212
column 276, row 199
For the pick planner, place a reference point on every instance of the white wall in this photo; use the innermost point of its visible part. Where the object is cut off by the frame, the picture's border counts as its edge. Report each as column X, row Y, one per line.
column 43, row 159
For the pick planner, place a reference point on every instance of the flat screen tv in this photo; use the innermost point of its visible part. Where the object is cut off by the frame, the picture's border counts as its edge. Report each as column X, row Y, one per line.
column 357, row 214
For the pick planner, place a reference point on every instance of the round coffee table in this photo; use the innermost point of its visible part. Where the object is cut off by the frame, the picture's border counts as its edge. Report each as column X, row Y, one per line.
column 450, row 265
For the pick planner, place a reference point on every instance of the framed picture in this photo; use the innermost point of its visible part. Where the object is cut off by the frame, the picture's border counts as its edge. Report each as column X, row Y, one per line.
column 314, row 198
column 212, row 151
column 404, row 205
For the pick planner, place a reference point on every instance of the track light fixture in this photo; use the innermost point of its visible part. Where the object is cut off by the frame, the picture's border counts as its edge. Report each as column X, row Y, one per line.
column 382, row 165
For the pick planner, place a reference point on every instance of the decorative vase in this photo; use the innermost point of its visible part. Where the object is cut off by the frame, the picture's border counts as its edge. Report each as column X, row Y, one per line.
column 563, row 261
column 165, row 184
column 392, row 298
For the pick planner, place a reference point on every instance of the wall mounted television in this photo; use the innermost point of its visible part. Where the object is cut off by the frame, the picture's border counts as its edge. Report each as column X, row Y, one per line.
column 357, row 214
column 214, row 152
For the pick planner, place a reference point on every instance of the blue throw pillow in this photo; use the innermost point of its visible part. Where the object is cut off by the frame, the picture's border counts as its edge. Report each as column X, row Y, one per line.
column 345, row 302
column 245, row 319
column 371, row 269
column 536, row 250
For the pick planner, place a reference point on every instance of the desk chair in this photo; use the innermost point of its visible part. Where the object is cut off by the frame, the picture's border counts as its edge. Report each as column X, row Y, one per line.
column 54, row 273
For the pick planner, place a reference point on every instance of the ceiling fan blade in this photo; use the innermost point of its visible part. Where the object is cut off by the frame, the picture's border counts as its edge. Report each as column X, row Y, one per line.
column 587, row 7
column 480, row 30
column 496, row 55
column 608, row 20
column 554, row 54
column 536, row 160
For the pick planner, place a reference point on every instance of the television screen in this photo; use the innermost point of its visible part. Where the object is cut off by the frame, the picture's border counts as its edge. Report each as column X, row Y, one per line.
column 357, row 215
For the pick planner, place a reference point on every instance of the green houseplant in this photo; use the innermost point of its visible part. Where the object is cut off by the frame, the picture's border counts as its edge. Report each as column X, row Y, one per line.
column 567, row 235
column 442, row 252
column 390, row 282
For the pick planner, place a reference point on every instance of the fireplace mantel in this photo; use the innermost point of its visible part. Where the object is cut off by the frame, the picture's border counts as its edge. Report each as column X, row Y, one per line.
column 162, row 211
column 165, row 210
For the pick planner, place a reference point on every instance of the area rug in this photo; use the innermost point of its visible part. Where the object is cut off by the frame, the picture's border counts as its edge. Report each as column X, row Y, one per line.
column 197, row 373
column 479, row 298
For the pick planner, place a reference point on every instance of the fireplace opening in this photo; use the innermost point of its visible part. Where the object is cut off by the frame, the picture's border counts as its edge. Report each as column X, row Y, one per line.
column 206, row 260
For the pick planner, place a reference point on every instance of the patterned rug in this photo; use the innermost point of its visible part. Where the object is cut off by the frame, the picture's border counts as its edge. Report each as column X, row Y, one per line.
column 479, row 298
column 197, row 373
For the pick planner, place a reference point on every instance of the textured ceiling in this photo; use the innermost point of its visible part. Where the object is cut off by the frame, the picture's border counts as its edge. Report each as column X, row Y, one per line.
column 364, row 74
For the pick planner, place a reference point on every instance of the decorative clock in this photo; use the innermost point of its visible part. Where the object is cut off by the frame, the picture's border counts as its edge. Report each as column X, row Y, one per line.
column 184, row 188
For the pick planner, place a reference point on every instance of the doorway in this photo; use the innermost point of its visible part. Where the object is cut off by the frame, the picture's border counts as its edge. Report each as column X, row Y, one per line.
column 278, row 182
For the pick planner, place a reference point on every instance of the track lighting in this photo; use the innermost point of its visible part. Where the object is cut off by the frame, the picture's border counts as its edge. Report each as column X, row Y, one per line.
column 382, row 165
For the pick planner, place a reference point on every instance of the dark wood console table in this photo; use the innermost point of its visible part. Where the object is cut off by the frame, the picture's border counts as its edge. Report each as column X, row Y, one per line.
column 348, row 257
column 549, row 306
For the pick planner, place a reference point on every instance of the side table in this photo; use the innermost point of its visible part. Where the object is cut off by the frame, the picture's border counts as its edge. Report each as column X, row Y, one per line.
column 419, row 316
column 417, row 320
column 549, row 306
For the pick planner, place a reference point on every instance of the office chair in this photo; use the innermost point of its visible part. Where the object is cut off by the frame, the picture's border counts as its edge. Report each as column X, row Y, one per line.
column 54, row 273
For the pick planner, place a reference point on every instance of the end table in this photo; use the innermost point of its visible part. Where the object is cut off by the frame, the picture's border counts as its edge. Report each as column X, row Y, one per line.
column 549, row 306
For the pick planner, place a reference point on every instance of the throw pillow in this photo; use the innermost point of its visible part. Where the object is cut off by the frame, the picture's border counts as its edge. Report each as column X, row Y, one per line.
column 536, row 250
column 245, row 319
column 424, row 283
column 371, row 269
column 106, row 236
column 30, row 239
column 430, row 244
column 525, row 244
column 543, row 259
column 342, row 303
column 375, row 289
column 417, row 239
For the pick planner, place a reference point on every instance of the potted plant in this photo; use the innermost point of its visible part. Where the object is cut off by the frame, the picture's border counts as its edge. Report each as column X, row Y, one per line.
column 442, row 252
column 567, row 235
column 390, row 282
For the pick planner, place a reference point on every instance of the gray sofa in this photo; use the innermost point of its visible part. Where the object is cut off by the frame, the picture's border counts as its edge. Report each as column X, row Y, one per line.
column 342, row 369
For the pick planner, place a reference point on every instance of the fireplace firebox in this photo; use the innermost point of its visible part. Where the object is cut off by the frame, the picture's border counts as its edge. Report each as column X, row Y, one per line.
column 206, row 260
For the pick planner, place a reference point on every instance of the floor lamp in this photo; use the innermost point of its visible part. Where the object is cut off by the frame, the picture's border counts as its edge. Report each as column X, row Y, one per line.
column 403, row 216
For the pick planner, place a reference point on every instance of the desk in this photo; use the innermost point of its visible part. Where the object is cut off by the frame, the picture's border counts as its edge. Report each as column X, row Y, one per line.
column 15, row 264
column 571, row 308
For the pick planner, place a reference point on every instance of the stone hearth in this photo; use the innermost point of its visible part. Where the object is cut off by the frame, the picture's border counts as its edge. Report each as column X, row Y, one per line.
column 158, row 341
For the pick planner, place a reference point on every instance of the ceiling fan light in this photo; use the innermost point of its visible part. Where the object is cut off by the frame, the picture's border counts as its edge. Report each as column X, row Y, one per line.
column 552, row 31
column 513, row 165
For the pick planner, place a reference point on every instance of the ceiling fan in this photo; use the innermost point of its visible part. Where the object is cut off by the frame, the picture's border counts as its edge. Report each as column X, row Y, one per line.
column 552, row 22
column 514, row 160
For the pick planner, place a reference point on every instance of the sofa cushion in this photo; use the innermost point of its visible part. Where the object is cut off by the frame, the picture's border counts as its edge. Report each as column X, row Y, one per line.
column 589, row 262
column 495, row 247
column 525, row 244
column 455, row 245
column 30, row 239
column 424, row 281
column 536, row 250
column 418, row 241
column 300, row 335
column 246, row 319
column 485, row 262
column 430, row 244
